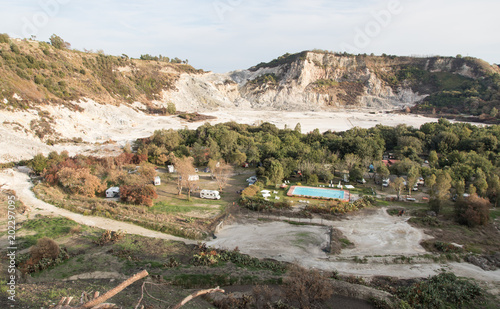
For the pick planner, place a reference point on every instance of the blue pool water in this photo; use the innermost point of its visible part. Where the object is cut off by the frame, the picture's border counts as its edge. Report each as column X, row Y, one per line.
column 319, row 192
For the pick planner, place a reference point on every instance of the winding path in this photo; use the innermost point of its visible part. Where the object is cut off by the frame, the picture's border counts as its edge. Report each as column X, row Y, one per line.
column 21, row 184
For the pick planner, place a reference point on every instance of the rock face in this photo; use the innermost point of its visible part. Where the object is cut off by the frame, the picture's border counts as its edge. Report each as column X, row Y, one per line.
column 317, row 80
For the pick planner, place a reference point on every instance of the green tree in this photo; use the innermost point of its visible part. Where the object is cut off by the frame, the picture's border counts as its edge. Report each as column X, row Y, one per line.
column 494, row 112
column 171, row 109
column 356, row 173
column 413, row 175
column 382, row 171
column 58, row 42
column 4, row 38
column 442, row 186
column 398, row 185
column 459, row 186
column 430, row 181
column 298, row 128
column 15, row 49
column 471, row 190
column 433, row 159
column 493, row 188
column 312, row 180
column 480, row 182
column 351, row 160
column 238, row 157
column 275, row 172
column 39, row 163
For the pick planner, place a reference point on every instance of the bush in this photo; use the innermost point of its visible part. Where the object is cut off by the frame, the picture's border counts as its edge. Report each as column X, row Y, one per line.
column 138, row 194
column 171, row 109
column 307, row 288
column 45, row 248
column 58, row 42
column 4, row 38
column 442, row 291
column 15, row 49
column 472, row 211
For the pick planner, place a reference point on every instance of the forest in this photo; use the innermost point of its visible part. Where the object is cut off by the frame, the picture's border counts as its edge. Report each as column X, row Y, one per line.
column 455, row 159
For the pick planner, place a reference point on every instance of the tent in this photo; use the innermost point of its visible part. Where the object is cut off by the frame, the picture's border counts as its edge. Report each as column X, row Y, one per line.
column 265, row 192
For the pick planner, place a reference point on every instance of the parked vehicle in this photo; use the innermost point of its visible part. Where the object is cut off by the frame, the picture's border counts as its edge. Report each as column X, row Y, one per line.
column 210, row 194
column 363, row 181
column 252, row 180
column 386, row 182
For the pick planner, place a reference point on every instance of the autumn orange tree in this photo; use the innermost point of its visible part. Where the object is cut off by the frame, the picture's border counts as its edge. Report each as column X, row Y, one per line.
column 138, row 194
column 80, row 181
column 185, row 170
column 473, row 211
column 222, row 173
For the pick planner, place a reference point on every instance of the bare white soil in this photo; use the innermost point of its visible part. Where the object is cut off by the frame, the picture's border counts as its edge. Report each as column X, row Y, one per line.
column 379, row 237
column 105, row 128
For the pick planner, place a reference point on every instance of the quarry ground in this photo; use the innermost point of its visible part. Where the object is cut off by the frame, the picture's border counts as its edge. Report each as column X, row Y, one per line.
column 104, row 129
column 380, row 238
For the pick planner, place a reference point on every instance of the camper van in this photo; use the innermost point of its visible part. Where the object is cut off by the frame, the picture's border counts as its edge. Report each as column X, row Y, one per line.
column 210, row 194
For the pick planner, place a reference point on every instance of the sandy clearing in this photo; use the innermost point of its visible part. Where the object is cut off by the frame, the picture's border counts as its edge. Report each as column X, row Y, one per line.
column 273, row 239
column 21, row 184
column 375, row 234
column 100, row 123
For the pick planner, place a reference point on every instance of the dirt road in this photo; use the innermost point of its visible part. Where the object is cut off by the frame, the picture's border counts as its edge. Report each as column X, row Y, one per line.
column 21, row 184
column 377, row 235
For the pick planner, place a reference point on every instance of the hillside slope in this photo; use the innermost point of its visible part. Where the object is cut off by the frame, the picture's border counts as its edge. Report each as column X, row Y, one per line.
column 56, row 96
column 35, row 73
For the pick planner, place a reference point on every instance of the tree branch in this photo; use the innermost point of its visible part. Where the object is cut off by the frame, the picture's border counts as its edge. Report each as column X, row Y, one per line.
column 114, row 291
column 196, row 294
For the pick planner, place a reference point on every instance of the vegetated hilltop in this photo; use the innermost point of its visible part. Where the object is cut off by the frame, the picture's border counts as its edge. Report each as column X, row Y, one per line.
column 33, row 73
column 317, row 78
column 36, row 73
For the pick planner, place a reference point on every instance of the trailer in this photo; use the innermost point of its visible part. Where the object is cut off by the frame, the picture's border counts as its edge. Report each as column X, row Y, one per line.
column 210, row 194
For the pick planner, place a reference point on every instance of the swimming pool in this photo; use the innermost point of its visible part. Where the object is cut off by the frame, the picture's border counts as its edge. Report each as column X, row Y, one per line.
column 319, row 192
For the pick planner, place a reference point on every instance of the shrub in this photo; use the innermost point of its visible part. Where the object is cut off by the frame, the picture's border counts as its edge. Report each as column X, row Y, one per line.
column 308, row 288
column 442, row 291
column 108, row 236
column 45, row 248
column 138, row 194
column 15, row 49
column 171, row 109
column 4, row 38
column 58, row 42
column 472, row 211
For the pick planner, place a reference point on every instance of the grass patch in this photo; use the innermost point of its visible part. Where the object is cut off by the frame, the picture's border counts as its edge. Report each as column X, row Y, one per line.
column 173, row 209
column 46, row 227
column 494, row 213
column 345, row 242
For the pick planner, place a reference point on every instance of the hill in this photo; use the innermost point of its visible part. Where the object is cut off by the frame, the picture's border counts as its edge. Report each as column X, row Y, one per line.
column 36, row 73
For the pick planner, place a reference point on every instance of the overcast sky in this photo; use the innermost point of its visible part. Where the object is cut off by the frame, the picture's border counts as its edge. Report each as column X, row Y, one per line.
column 225, row 35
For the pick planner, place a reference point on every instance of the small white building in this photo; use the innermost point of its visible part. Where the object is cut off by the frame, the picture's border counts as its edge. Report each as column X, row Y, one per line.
column 171, row 169
column 157, row 181
column 210, row 194
column 113, row 192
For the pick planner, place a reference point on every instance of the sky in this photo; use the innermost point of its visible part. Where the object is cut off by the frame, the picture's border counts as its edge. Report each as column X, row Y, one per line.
column 226, row 35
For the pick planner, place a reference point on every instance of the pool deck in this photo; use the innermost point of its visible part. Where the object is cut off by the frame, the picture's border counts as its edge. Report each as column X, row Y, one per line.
column 347, row 195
